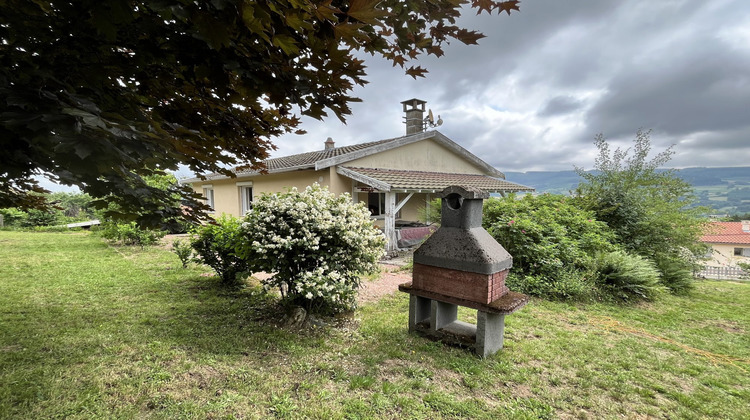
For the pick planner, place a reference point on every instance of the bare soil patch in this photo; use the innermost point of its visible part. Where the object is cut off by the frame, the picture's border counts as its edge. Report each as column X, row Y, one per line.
column 386, row 284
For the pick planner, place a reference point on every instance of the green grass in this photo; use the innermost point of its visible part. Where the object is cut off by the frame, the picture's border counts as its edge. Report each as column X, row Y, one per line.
column 92, row 331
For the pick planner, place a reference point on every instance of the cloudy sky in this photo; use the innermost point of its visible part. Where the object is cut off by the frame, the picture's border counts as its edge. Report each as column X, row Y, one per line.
column 547, row 79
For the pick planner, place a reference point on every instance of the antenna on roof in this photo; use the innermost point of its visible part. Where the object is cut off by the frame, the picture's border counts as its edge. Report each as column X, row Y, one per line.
column 429, row 120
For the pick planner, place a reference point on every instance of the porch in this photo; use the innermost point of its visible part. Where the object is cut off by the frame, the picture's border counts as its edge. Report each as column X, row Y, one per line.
column 395, row 196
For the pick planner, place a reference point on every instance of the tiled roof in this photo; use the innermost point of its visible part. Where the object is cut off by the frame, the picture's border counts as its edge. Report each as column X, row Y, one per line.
column 436, row 181
column 308, row 159
column 726, row 233
column 337, row 156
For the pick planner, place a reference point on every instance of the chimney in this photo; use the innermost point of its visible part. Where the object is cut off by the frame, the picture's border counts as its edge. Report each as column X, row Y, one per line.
column 414, row 118
column 329, row 144
column 746, row 226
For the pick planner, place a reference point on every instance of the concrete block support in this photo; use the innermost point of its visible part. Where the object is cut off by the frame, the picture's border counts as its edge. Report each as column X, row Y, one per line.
column 490, row 330
column 419, row 311
column 443, row 313
column 436, row 316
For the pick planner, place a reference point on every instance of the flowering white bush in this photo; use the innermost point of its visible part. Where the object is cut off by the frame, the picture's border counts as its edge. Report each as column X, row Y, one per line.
column 318, row 245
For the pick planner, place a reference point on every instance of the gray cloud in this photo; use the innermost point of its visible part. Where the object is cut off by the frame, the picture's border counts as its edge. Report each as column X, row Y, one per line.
column 534, row 93
column 704, row 89
column 560, row 105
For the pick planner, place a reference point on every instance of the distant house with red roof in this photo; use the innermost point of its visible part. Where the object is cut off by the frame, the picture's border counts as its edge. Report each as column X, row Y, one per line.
column 730, row 243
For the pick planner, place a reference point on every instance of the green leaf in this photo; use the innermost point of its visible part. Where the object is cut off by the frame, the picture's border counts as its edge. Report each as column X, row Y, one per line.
column 286, row 43
column 366, row 11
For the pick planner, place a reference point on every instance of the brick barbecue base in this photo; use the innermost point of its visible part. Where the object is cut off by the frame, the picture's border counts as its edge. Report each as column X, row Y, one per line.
column 481, row 288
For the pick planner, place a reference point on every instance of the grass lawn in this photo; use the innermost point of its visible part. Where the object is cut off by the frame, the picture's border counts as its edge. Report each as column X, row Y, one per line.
column 92, row 331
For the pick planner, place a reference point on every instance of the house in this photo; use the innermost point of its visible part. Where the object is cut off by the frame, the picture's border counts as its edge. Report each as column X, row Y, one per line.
column 729, row 242
column 395, row 177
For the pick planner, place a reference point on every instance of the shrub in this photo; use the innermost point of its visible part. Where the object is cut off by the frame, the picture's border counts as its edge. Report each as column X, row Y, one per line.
column 567, row 284
column 12, row 216
column 39, row 218
column 628, row 277
column 216, row 246
column 746, row 270
column 431, row 212
column 317, row 244
column 676, row 274
column 552, row 242
column 183, row 250
column 129, row 233
column 649, row 209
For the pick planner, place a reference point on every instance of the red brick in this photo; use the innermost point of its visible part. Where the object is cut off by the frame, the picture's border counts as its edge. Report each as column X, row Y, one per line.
column 481, row 288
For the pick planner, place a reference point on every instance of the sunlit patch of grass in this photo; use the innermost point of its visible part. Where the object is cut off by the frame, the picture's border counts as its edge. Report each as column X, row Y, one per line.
column 93, row 331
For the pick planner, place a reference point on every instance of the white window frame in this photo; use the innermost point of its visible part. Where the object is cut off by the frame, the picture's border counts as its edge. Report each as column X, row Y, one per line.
column 741, row 252
column 208, row 194
column 246, row 196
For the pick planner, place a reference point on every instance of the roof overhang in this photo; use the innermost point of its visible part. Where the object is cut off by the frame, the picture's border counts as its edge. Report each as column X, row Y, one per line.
column 393, row 180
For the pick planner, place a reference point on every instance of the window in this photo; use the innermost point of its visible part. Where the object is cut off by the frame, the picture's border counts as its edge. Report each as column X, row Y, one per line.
column 246, row 199
column 742, row 252
column 376, row 204
column 208, row 194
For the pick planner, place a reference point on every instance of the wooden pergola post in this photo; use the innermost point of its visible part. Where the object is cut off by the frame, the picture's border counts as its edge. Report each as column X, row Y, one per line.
column 390, row 222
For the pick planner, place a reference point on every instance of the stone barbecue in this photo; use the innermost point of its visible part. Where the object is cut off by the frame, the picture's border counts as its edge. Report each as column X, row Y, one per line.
column 462, row 265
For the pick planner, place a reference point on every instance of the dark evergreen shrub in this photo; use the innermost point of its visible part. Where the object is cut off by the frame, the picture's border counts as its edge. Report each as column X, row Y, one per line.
column 627, row 277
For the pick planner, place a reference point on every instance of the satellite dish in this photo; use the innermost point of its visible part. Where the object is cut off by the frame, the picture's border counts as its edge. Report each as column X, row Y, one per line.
column 431, row 118
column 439, row 121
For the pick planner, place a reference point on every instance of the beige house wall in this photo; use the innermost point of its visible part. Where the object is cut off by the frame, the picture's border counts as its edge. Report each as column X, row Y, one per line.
column 227, row 193
column 722, row 255
column 338, row 183
column 425, row 155
column 411, row 209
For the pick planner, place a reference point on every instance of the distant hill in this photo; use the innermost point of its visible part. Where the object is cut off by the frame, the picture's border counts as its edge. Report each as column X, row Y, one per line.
column 727, row 190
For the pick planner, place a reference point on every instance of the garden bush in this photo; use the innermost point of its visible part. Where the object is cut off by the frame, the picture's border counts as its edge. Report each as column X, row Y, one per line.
column 650, row 209
column 431, row 212
column 317, row 244
column 746, row 270
column 567, row 284
column 628, row 277
column 675, row 273
column 183, row 250
column 12, row 217
column 36, row 217
column 128, row 233
column 216, row 246
column 552, row 241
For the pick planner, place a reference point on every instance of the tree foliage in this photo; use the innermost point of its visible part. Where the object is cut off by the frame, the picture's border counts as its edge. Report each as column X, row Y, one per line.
column 648, row 209
column 158, row 214
column 101, row 93
column 73, row 205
